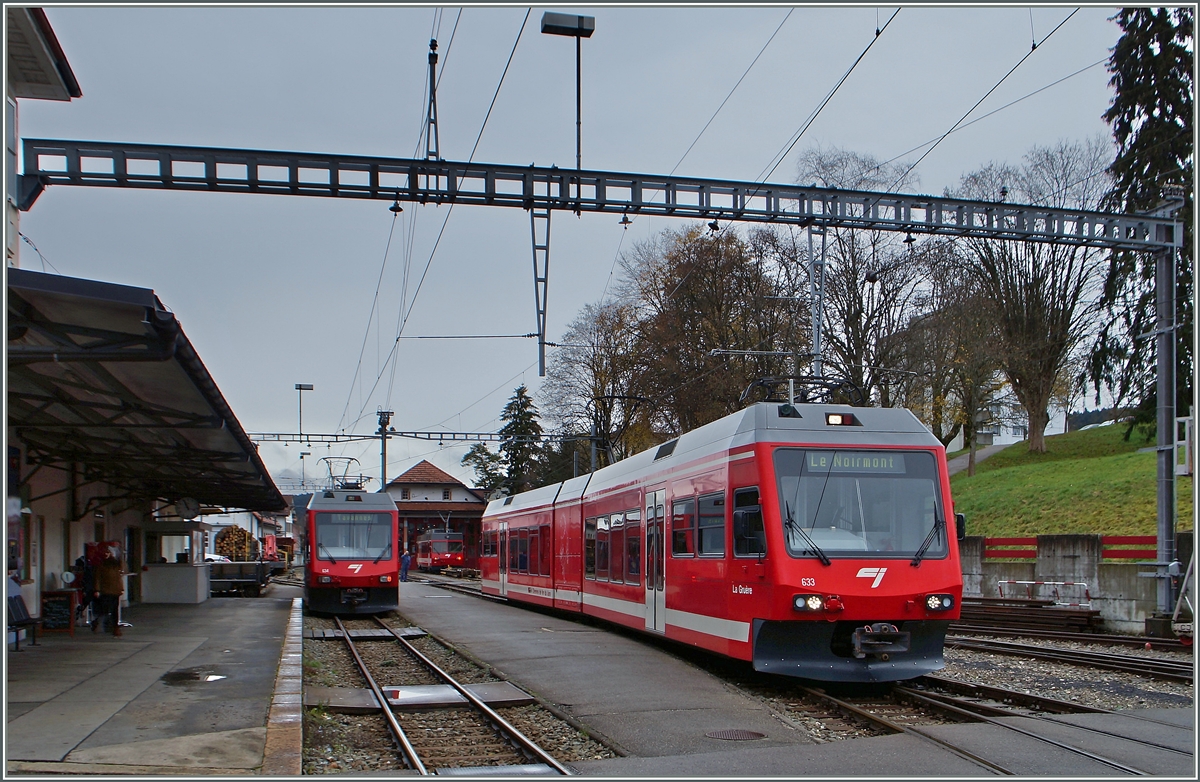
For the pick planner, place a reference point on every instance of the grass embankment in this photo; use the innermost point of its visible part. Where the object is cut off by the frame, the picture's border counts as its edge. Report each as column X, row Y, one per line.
column 1092, row 481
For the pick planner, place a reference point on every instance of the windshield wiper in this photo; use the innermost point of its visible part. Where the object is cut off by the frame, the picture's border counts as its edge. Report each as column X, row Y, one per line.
column 792, row 526
column 327, row 551
column 938, row 525
column 386, row 550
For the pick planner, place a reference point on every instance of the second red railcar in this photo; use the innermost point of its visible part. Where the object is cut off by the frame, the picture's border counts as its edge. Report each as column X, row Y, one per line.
column 811, row 540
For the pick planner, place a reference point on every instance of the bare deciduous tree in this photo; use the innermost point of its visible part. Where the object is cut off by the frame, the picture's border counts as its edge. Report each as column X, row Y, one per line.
column 1043, row 296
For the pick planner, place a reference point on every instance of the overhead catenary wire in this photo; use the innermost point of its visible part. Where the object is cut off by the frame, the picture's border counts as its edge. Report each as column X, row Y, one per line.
column 791, row 143
column 392, row 352
column 993, row 112
column 1003, row 78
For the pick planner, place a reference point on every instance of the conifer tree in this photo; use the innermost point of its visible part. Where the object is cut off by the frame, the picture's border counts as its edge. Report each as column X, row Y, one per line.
column 1151, row 120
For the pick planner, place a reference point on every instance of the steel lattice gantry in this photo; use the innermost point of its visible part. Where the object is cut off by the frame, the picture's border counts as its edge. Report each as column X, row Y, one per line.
column 155, row 166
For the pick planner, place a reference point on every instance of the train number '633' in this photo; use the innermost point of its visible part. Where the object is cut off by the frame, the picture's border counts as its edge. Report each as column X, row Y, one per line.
column 808, row 582
column 740, row 589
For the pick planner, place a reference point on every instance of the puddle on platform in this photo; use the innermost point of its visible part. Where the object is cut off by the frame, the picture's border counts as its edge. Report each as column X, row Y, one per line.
column 189, row 676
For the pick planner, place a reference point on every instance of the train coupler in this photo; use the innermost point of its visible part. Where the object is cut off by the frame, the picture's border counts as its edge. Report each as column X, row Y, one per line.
column 880, row 639
column 354, row 596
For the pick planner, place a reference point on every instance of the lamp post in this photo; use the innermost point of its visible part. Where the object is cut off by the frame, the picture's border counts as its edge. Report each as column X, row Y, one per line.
column 577, row 27
column 300, row 389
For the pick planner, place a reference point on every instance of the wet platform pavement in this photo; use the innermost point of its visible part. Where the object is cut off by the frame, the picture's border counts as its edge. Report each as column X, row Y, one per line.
column 187, row 689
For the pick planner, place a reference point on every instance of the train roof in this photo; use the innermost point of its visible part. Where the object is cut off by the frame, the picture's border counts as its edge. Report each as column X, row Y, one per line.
column 351, row 501
column 802, row 424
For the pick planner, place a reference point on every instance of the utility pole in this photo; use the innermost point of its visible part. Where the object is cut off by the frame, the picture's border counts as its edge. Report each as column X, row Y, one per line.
column 385, row 418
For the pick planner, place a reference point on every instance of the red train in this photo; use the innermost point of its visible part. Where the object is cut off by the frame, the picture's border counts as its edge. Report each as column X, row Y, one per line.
column 437, row 549
column 808, row 539
column 351, row 563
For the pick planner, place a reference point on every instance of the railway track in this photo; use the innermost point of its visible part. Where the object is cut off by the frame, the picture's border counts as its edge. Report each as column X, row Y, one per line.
column 918, row 707
column 1171, row 670
column 470, row 739
column 1140, row 642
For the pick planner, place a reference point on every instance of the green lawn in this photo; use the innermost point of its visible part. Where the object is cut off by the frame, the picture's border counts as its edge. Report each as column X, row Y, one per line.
column 1087, row 482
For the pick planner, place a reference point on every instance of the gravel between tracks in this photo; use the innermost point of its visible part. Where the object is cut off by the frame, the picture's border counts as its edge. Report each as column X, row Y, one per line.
column 1075, row 683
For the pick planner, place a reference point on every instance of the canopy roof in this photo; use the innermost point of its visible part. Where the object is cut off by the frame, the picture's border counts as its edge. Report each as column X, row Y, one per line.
column 102, row 375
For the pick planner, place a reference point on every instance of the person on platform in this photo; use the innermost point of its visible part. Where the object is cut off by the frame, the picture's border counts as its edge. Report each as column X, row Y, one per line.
column 405, row 562
column 110, row 585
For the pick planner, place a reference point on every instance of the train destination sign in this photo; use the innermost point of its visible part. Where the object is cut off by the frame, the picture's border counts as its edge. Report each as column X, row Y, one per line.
column 856, row 461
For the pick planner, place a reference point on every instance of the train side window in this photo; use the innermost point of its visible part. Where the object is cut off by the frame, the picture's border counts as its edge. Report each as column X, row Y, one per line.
column 616, row 549
column 602, row 548
column 534, row 561
column 633, row 547
column 711, row 530
column 683, row 528
column 547, row 546
column 513, row 559
column 749, row 537
column 589, row 548
column 523, row 551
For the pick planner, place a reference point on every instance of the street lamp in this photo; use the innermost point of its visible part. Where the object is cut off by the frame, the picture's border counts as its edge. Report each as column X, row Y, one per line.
column 300, row 389
column 577, row 27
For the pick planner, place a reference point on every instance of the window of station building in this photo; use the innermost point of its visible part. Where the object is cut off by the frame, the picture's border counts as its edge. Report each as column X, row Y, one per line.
column 683, row 528
column 710, row 534
column 749, row 537
column 589, row 548
column 445, row 494
column 602, row 549
column 633, row 547
column 405, row 494
column 616, row 563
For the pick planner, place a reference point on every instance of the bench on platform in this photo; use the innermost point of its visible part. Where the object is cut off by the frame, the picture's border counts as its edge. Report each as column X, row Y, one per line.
column 19, row 618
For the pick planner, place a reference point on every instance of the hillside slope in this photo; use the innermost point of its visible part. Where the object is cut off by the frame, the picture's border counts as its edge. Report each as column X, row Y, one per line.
column 1092, row 481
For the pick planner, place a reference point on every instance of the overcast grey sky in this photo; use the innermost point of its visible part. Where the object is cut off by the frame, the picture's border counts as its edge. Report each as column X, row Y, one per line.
column 278, row 290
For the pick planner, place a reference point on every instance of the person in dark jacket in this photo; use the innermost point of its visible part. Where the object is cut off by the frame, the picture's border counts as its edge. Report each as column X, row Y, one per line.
column 110, row 585
column 405, row 562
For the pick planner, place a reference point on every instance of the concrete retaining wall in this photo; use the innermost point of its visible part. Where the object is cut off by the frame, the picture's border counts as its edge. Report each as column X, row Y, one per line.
column 1124, row 599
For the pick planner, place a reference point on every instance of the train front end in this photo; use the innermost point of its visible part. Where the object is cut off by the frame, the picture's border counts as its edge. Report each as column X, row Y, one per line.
column 870, row 577
column 352, row 565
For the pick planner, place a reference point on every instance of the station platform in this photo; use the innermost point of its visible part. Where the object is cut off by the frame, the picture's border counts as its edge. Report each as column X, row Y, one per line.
column 657, row 709
column 196, row 690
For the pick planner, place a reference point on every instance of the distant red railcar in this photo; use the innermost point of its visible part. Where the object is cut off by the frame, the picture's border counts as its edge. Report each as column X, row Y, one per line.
column 439, row 549
column 809, row 539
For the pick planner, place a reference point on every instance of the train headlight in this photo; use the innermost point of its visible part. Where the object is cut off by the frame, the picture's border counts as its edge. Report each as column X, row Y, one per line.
column 939, row 602
column 324, row 579
column 385, row 579
column 808, row 602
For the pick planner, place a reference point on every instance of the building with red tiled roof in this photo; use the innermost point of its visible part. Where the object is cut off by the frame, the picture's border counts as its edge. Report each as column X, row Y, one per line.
column 430, row 498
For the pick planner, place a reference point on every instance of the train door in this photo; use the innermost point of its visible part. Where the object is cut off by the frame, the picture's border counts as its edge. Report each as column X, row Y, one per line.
column 656, row 561
column 503, row 558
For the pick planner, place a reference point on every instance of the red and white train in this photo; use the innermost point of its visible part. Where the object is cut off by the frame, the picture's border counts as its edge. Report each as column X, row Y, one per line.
column 437, row 549
column 351, row 563
column 809, row 539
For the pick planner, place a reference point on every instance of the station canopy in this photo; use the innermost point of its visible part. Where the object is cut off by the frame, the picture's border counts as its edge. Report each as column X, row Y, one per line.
column 102, row 376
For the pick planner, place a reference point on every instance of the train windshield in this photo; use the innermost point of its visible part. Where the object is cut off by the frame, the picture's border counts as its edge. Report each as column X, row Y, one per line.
column 354, row 536
column 448, row 546
column 842, row 503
